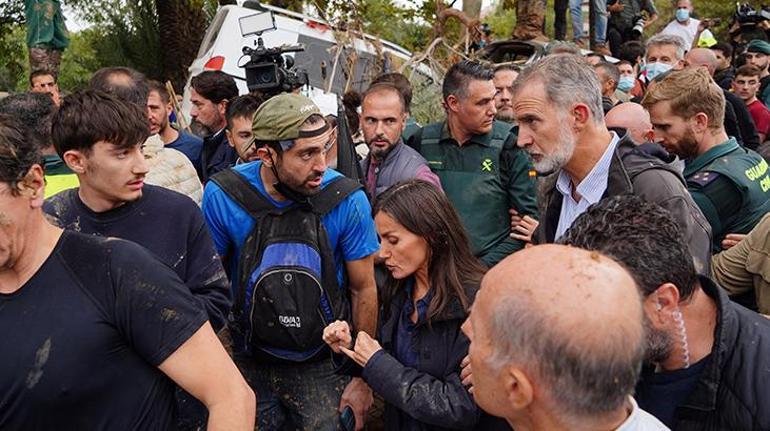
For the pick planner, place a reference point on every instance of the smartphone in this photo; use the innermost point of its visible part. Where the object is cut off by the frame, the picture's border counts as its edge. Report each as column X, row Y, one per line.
column 347, row 420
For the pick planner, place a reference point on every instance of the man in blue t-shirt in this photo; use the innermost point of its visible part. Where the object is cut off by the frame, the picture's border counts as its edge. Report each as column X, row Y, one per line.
column 158, row 110
column 292, row 138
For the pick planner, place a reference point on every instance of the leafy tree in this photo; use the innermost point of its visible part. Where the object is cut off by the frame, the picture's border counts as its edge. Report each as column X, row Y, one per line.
column 13, row 56
column 157, row 37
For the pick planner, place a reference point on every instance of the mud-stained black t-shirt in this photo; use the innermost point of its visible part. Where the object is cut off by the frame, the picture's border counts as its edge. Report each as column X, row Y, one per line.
column 80, row 342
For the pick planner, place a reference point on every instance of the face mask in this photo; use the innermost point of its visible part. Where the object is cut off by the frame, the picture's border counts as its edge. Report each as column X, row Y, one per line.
column 626, row 83
column 682, row 15
column 655, row 69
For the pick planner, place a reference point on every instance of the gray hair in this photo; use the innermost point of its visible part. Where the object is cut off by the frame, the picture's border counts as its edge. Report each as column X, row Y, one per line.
column 568, row 79
column 668, row 39
column 581, row 380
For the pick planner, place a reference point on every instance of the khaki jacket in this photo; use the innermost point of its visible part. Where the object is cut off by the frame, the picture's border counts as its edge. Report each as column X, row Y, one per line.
column 746, row 266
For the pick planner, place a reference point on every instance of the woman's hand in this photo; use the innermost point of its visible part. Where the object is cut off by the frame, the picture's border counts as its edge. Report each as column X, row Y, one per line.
column 522, row 228
column 365, row 348
column 337, row 335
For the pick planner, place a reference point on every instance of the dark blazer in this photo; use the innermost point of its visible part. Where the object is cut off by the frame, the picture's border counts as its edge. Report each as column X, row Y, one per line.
column 636, row 172
column 216, row 155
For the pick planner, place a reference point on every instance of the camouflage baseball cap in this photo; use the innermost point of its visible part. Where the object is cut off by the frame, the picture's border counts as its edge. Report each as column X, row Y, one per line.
column 279, row 118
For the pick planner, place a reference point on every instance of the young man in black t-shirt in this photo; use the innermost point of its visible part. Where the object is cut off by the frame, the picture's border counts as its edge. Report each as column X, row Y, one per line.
column 99, row 137
column 93, row 331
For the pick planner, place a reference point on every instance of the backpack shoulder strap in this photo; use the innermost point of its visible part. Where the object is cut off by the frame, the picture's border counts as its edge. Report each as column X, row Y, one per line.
column 334, row 193
column 242, row 192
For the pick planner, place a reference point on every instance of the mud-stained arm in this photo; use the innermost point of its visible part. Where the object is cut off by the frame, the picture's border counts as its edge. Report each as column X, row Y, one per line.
column 201, row 367
column 363, row 292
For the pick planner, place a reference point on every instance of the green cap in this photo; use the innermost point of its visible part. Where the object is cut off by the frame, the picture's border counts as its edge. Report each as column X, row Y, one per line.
column 279, row 118
column 757, row 45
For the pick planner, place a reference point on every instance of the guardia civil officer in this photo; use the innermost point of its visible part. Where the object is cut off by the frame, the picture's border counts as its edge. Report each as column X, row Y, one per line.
column 729, row 183
column 481, row 170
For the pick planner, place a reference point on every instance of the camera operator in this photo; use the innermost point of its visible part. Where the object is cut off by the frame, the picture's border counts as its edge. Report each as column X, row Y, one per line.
column 626, row 21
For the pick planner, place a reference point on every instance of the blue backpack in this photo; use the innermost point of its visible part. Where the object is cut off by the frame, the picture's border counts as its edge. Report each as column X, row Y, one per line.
column 287, row 278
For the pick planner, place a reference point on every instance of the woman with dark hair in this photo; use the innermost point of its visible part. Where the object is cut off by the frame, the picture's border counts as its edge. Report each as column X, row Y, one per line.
column 433, row 279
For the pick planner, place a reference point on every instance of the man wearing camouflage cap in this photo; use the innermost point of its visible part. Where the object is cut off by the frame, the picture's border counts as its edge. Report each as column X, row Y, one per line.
column 758, row 54
column 294, row 391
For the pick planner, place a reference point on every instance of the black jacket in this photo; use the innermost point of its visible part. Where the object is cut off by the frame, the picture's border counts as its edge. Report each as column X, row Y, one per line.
column 725, row 78
column 433, row 394
column 733, row 392
column 216, row 155
column 636, row 172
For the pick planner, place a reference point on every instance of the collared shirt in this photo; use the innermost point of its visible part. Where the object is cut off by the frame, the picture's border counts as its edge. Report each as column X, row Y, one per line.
column 590, row 190
column 640, row 420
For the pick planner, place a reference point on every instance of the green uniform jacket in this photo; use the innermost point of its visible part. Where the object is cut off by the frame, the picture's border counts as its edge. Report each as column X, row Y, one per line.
column 483, row 178
column 731, row 186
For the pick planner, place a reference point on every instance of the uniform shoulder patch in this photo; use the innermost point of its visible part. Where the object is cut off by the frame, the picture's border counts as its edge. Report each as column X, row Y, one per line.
column 703, row 178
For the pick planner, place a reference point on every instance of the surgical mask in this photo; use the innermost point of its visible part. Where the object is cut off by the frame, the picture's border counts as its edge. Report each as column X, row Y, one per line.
column 682, row 15
column 655, row 69
column 626, row 83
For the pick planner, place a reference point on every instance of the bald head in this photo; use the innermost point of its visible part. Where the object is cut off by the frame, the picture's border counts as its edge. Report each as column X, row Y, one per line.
column 576, row 281
column 702, row 57
column 632, row 117
column 575, row 329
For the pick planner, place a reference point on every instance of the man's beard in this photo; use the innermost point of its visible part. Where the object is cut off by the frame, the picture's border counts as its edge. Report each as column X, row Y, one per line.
column 298, row 186
column 658, row 344
column 163, row 125
column 199, row 129
column 505, row 117
column 563, row 153
column 688, row 145
column 380, row 153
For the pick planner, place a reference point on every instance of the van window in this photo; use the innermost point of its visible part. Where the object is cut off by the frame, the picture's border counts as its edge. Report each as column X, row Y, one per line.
column 317, row 51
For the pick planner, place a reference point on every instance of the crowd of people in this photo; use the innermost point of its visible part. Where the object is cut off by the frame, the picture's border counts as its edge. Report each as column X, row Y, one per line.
column 577, row 244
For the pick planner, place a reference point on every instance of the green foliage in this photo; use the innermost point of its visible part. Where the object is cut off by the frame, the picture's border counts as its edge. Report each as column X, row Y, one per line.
column 379, row 17
column 501, row 22
column 13, row 57
column 11, row 12
column 80, row 60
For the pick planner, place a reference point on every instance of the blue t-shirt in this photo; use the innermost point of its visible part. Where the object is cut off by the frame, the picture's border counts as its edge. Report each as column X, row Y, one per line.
column 190, row 146
column 349, row 225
